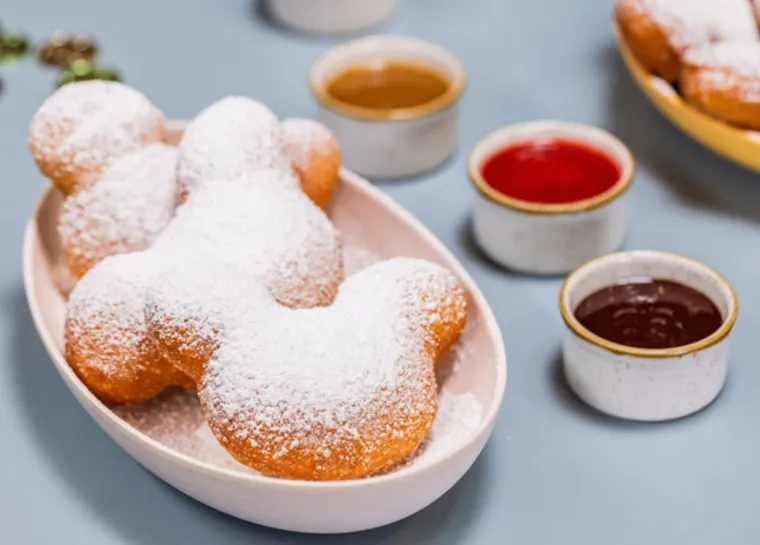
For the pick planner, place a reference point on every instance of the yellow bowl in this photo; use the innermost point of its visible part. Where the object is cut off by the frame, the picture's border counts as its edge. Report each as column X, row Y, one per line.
column 737, row 145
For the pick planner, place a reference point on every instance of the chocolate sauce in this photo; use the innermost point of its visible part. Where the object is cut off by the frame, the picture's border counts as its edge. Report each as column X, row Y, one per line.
column 649, row 313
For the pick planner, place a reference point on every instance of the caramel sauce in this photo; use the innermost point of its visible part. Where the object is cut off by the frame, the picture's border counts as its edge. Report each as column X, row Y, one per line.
column 388, row 86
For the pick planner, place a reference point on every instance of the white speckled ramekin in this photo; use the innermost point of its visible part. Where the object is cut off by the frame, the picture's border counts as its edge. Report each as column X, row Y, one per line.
column 549, row 238
column 331, row 16
column 391, row 143
column 636, row 383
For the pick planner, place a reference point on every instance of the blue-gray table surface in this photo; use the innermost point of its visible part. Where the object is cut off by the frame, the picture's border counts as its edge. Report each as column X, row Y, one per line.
column 554, row 471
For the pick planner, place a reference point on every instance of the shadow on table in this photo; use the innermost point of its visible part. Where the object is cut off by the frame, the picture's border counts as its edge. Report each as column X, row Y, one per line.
column 140, row 508
column 259, row 10
column 555, row 377
column 473, row 250
column 694, row 173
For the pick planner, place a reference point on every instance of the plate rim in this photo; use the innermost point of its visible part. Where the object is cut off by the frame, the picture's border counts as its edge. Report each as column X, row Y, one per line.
column 672, row 105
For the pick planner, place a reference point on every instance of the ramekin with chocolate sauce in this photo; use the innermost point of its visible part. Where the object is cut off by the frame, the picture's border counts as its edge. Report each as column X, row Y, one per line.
column 681, row 307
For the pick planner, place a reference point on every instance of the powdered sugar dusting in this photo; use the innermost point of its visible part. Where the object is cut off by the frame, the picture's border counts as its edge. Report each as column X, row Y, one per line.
column 338, row 385
column 131, row 203
column 176, row 420
column 741, row 58
column 63, row 278
column 233, row 136
column 357, row 258
column 458, row 417
column 266, row 225
column 110, row 301
column 302, row 137
column 663, row 86
column 728, row 65
column 697, row 22
column 257, row 219
column 82, row 126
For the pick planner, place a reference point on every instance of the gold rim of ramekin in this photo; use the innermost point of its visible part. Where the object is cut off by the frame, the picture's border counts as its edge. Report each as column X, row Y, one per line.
column 457, row 83
column 576, row 132
column 721, row 333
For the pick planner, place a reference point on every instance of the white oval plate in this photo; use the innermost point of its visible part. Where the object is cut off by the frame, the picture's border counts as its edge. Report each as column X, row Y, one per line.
column 169, row 438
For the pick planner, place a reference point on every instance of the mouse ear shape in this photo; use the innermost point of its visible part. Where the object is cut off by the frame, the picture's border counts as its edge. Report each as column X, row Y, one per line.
column 429, row 296
column 231, row 137
column 189, row 308
column 83, row 126
column 315, row 156
column 106, row 339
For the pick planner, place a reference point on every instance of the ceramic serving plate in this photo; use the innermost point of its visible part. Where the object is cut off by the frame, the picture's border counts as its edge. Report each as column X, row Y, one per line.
column 735, row 144
column 168, row 435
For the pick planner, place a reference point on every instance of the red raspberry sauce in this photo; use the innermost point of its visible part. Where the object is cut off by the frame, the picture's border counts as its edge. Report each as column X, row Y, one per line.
column 550, row 171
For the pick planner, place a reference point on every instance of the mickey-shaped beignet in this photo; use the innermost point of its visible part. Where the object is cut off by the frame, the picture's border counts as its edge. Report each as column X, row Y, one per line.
column 263, row 224
column 338, row 392
column 101, row 144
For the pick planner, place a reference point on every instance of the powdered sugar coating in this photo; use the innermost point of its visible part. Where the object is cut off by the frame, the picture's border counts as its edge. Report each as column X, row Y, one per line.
column 266, row 225
column 329, row 392
column 696, row 22
column 726, row 66
column 84, row 125
column 741, row 58
column 131, row 203
column 303, row 138
column 357, row 258
column 112, row 294
column 262, row 224
column 232, row 137
column 314, row 155
column 246, row 208
column 105, row 340
column 458, row 416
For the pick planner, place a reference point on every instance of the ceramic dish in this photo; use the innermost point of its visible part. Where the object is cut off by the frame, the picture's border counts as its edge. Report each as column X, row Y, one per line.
column 168, row 435
column 391, row 143
column 549, row 238
column 643, row 384
column 735, row 144
column 331, row 16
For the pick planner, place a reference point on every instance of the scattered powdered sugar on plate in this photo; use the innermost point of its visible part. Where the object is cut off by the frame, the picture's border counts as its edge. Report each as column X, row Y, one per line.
column 458, row 417
column 175, row 420
column 356, row 258
column 663, row 86
column 696, row 22
column 63, row 278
